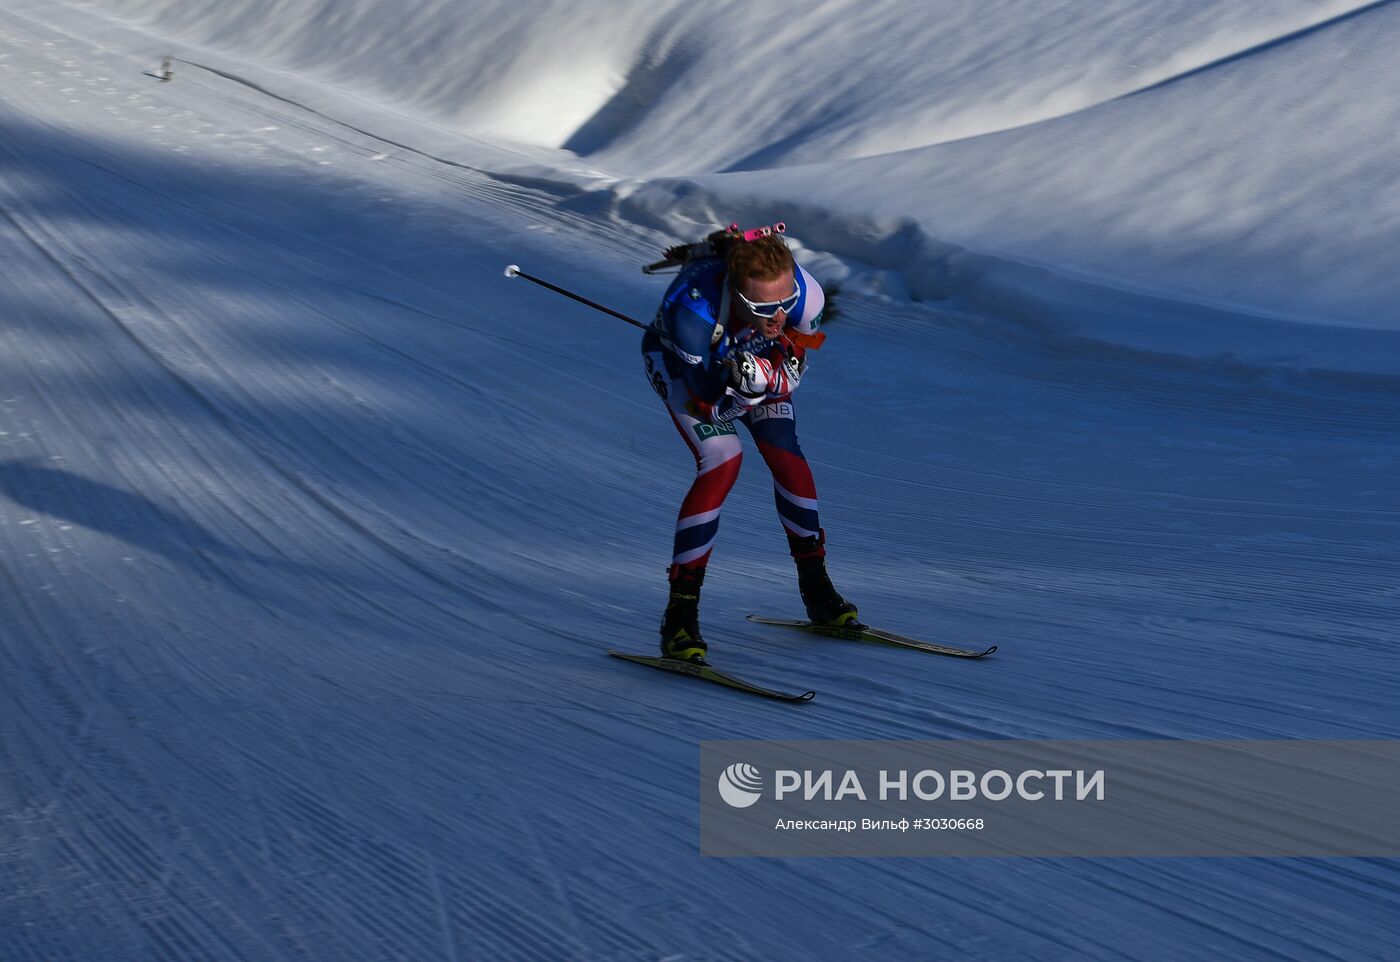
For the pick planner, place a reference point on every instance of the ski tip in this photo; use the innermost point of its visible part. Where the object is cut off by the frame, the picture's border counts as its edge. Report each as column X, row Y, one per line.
column 988, row 652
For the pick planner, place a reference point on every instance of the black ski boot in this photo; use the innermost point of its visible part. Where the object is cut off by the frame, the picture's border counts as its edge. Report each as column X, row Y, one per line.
column 825, row 606
column 680, row 626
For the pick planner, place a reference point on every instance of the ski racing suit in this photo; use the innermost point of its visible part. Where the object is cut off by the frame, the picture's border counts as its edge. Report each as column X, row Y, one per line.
column 684, row 351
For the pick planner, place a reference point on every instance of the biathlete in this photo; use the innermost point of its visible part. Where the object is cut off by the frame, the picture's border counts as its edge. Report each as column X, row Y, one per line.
column 725, row 348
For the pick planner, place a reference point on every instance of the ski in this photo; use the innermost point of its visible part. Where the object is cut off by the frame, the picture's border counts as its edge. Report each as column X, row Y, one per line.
column 874, row 636
column 710, row 673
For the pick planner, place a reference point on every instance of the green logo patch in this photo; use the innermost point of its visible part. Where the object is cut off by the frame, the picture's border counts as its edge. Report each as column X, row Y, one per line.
column 704, row 431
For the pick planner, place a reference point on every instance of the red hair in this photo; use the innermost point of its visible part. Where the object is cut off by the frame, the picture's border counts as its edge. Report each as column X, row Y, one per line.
column 763, row 259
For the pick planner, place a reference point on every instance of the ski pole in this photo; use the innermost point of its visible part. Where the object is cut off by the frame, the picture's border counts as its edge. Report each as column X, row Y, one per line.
column 811, row 342
column 514, row 270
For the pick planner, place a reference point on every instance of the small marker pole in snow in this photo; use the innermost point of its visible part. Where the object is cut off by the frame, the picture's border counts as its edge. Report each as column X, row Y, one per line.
column 514, row 270
column 167, row 70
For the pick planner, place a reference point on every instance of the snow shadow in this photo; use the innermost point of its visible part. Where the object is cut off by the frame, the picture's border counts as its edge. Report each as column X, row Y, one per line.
column 334, row 343
column 130, row 517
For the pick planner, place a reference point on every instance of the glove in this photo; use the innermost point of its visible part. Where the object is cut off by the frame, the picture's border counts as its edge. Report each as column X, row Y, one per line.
column 747, row 377
column 789, row 374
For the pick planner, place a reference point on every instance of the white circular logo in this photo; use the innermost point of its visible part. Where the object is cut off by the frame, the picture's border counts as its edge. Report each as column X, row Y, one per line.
column 740, row 785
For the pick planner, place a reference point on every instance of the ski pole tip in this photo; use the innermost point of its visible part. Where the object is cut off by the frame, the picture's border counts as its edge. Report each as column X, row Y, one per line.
column 512, row 270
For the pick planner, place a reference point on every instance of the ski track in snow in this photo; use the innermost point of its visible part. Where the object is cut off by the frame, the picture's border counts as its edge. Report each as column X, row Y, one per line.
column 301, row 506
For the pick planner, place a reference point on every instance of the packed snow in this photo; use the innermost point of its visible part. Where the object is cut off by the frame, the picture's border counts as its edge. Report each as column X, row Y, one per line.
column 314, row 527
column 1233, row 158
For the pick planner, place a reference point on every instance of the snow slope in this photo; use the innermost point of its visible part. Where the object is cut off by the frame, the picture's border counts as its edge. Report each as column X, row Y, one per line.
column 1236, row 157
column 303, row 506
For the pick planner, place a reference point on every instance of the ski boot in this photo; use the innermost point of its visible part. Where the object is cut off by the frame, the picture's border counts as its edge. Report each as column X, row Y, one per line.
column 680, row 626
column 824, row 603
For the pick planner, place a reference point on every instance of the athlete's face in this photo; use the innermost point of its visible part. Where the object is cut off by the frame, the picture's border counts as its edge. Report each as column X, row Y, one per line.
column 780, row 288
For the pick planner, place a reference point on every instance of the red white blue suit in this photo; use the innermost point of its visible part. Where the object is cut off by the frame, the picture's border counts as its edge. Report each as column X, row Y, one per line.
column 684, row 351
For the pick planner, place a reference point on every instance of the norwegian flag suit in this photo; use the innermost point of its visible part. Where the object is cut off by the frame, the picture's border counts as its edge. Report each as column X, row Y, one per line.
column 685, row 352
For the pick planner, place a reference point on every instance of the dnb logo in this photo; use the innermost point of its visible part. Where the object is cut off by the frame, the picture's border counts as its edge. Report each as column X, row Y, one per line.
column 783, row 409
column 704, row 431
column 740, row 785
